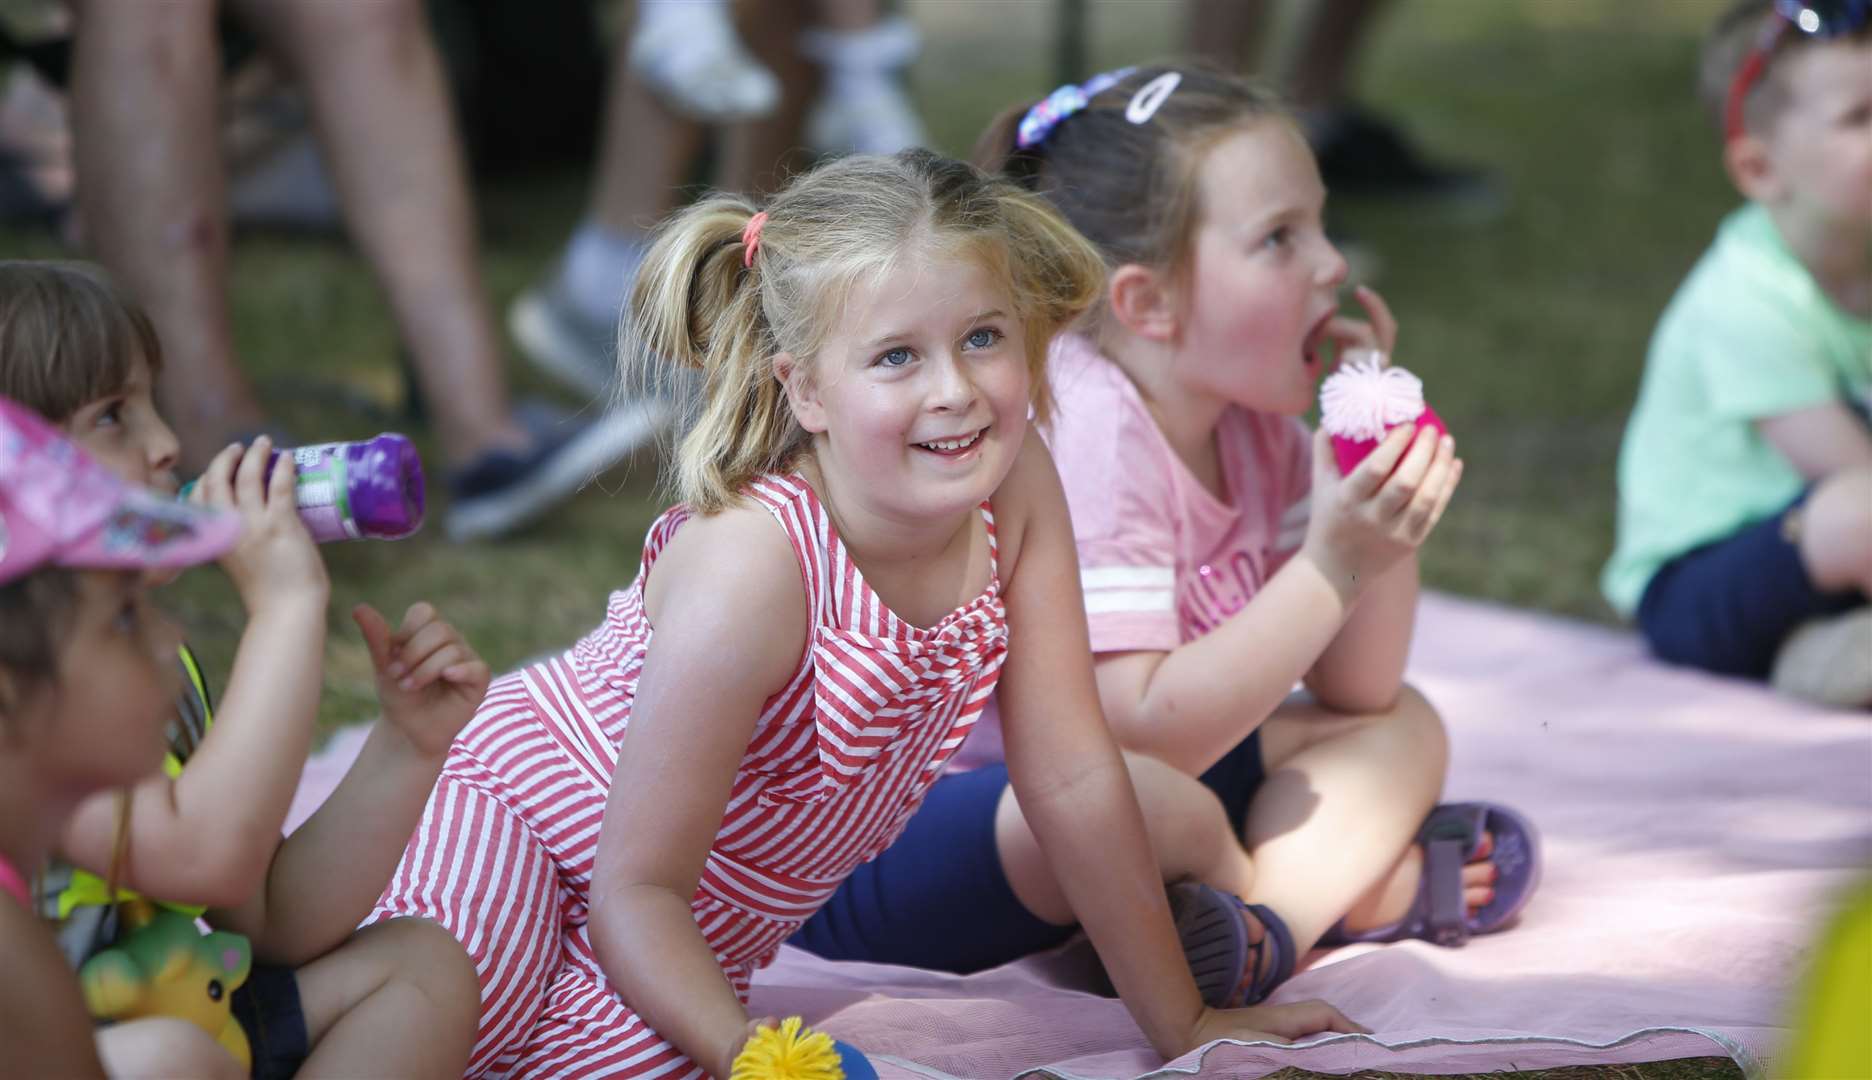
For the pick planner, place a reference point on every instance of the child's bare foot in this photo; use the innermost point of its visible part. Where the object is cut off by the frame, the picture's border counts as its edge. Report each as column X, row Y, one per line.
column 1390, row 900
column 1471, row 869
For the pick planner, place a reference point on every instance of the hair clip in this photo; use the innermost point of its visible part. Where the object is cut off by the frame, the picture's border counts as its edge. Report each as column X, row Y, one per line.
column 1150, row 97
column 1061, row 103
column 750, row 238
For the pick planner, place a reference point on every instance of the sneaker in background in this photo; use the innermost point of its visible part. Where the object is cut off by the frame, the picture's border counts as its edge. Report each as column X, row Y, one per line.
column 1829, row 661
column 562, row 340
column 687, row 51
column 504, row 490
column 863, row 108
column 1363, row 154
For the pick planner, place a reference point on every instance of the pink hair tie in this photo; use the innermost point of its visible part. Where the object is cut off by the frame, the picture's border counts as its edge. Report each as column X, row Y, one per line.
column 750, row 238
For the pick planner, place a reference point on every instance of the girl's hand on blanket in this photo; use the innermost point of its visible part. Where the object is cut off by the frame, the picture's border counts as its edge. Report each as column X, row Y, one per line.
column 725, row 1067
column 1272, row 1023
column 1364, row 523
column 275, row 560
column 430, row 681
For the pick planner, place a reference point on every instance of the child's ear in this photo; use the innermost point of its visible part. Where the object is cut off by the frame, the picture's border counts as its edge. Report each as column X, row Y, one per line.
column 1751, row 168
column 1143, row 302
column 802, row 392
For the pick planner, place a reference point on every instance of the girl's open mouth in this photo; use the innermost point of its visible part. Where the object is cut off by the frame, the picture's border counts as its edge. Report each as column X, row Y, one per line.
column 1315, row 341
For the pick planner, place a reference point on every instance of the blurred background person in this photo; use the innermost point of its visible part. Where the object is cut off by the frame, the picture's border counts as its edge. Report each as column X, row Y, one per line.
column 1360, row 152
column 796, row 73
column 151, row 188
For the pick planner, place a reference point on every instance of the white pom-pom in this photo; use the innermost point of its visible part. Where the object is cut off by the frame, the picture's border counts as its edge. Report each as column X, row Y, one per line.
column 1364, row 399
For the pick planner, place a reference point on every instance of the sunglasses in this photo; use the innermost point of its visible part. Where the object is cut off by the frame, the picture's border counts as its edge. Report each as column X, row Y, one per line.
column 1815, row 18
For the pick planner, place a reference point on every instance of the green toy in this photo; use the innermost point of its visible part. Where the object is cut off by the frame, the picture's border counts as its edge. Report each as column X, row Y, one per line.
column 163, row 965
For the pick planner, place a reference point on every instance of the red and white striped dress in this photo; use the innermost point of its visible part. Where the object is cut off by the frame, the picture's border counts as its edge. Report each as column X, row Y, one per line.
column 838, row 762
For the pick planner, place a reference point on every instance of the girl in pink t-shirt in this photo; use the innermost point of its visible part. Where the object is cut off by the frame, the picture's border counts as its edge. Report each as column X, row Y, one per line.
column 1222, row 561
column 1223, row 558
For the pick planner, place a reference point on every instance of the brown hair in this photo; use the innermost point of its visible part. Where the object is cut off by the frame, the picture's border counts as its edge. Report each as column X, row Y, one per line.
column 1131, row 188
column 68, row 336
column 703, row 303
column 1729, row 43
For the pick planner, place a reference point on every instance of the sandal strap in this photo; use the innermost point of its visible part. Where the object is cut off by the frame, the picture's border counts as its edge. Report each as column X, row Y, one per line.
column 1277, row 937
column 1448, row 837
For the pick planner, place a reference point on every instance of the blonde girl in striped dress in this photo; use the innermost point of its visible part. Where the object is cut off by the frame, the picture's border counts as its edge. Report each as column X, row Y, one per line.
column 872, row 540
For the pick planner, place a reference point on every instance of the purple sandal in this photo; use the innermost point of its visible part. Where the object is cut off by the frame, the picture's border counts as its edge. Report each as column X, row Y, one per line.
column 1214, row 934
column 1449, row 836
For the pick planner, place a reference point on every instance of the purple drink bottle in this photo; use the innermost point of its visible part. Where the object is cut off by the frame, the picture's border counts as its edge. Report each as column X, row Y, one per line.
column 372, row 489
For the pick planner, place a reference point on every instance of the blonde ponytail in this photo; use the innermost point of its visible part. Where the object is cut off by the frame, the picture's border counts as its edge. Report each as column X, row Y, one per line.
column 707, row 316
column 695, row 308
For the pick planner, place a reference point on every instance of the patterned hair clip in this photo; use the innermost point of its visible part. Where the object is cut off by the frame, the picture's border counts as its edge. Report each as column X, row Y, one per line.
column 1061, row 103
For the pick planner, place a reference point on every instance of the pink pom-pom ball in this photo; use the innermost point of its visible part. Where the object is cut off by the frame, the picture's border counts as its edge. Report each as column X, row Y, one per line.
column 1362, row 401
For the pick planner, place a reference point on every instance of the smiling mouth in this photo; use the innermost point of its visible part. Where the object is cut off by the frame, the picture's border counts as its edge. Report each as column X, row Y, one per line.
column 951, row 446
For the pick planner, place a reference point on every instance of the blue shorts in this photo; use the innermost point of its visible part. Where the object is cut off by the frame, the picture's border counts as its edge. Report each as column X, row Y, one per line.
column 938, row 897
column 1727, row 606
column 268, row 1009
column 1237, row 777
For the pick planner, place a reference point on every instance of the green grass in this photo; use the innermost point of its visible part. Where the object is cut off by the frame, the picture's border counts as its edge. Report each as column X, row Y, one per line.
column 1529, row 331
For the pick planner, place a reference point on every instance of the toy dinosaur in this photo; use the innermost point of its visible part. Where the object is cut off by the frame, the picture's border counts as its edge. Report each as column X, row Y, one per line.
column 163, row 965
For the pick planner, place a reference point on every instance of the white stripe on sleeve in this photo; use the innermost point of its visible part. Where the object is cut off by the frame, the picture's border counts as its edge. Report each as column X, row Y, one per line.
column 1110, row 601
column 1127, row 577
column 1141, row 589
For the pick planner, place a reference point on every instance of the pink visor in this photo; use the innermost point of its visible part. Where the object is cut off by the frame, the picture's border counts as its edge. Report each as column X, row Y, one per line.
column 58, row 507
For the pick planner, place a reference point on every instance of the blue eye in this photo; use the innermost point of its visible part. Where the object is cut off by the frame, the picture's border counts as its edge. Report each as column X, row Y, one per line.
column 1278, row 238
column 112, row 414
column 896, row 358
column 982, row 337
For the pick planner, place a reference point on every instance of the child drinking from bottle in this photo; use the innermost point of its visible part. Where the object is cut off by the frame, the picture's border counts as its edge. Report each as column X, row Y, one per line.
column 326, row 999
column 87, row 684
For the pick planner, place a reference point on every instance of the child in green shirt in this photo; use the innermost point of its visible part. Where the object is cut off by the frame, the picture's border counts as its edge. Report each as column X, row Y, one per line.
column 1745, row 479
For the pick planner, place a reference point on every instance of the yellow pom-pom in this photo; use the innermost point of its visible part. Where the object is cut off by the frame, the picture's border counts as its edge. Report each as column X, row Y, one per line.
column 788, row 1052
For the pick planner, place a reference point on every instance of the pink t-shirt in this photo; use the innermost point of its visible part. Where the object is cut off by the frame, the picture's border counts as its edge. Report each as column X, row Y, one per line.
column 1162, row 561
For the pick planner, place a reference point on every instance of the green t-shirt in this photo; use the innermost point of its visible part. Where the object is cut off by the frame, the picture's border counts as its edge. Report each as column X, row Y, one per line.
column 1749, row 336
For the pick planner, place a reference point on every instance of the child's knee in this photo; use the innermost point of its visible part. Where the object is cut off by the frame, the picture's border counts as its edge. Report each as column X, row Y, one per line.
column 1186, row 821
column 430, row 958
column 164, row 1046
column 1423, row 729
column 1836, row 530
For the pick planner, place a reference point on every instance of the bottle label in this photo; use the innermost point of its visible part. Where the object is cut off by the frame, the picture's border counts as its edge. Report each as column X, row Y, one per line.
column 324, row 496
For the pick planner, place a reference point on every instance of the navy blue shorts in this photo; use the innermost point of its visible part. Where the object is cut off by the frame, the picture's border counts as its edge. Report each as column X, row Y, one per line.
column 1727, row 606
column 938, row 898
column 1237, row 777
column 268, row 1008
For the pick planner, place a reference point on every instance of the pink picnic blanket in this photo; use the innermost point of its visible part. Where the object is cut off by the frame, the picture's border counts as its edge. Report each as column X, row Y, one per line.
column 1697, row 833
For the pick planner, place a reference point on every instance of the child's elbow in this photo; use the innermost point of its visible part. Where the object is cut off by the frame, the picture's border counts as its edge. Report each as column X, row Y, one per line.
column 228, row 868
column 1357, row 696
column 1158, row 727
